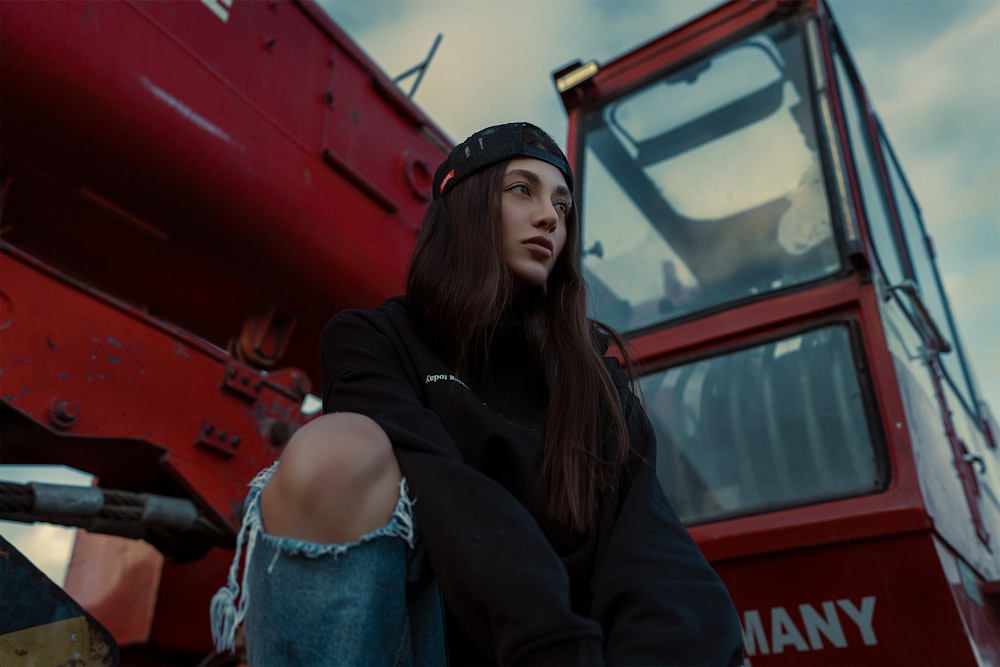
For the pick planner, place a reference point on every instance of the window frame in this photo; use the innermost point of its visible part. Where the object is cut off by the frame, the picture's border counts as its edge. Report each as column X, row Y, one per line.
column 882, row 469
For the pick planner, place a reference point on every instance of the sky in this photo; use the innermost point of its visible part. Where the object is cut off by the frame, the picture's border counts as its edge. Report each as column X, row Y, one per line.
column 930, row 67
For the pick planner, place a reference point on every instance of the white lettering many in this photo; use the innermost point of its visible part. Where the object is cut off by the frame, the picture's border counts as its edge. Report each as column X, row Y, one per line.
column 786, row 631
column 828, row 624
column 862, row 617
column 753, row 632
column 220, row 8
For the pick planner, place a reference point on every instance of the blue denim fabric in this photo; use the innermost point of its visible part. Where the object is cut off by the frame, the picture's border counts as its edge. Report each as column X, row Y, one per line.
column 313, row 604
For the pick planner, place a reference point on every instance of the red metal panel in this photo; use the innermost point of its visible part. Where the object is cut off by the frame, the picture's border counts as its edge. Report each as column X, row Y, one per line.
column 116, row 579
column 130, row 399
column 172, row 179
column 182, row 605
column 177, row 162
column 865, row 602
column 149, row 604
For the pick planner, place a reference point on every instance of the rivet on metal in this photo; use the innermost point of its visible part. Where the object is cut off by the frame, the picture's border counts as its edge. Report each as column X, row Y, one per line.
column 64, row 414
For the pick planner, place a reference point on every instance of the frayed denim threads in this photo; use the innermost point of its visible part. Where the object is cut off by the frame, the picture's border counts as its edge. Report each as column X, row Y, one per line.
column 314, row 604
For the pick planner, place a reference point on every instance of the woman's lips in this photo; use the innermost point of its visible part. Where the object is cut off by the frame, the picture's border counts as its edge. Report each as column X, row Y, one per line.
column 539, row 246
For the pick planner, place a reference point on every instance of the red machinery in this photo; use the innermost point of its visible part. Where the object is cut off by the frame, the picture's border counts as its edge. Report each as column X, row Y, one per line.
column 748, row 225
column 189, row 190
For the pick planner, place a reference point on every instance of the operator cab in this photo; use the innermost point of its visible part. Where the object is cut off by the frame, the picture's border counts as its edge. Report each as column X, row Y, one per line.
column 704, row 190
column 746, row 224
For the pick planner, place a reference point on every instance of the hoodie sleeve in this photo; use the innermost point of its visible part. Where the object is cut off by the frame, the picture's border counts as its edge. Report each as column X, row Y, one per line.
column 495, row 567
column 657, row 598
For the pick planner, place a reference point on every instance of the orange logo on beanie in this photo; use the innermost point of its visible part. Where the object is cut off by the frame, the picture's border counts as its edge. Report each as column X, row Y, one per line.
column 444, row 181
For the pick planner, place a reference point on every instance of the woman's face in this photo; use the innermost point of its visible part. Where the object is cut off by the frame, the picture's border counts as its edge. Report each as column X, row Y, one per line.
column 535, row 205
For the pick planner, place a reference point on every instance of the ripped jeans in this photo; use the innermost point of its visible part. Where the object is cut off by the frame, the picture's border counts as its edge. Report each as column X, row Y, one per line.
column 310, row 604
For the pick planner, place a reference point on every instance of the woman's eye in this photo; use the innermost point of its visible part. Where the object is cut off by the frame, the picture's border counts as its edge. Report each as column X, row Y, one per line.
column 520, row 188
column 562, row 206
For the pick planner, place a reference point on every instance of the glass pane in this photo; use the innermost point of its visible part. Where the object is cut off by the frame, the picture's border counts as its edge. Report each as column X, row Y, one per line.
column 879, row 223
column 705, row 187
column 772, row 426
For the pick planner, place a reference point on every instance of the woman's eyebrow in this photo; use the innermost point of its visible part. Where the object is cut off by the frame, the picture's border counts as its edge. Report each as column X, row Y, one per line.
column 533, row 178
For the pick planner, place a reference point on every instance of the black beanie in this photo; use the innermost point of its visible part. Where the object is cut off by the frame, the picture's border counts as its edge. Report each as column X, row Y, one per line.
column 490, row 146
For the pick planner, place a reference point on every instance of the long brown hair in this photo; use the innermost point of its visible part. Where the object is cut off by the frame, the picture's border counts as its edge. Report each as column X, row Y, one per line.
column 458, row 289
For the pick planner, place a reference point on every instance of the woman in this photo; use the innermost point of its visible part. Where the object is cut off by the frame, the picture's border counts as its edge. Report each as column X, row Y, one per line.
column 479, row 417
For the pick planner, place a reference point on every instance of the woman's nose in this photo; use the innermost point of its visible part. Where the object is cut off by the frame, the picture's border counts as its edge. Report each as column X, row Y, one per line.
column 547, row 217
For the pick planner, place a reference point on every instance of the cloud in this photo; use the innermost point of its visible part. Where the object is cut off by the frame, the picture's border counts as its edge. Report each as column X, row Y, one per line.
column 495, row 61
column 975, row 309
column 47, row 546
column 942, row 115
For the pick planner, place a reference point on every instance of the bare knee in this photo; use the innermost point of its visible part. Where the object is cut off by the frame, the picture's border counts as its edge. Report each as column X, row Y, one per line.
column 338, row 479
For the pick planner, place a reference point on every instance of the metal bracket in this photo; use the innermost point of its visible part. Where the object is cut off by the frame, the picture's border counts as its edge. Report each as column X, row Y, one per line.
column 218, row 441
column 242, row 381
column 925, row 321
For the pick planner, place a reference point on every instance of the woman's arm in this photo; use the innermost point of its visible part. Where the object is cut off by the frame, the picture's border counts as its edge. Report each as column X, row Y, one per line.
column 495, row 567
column 656, row 596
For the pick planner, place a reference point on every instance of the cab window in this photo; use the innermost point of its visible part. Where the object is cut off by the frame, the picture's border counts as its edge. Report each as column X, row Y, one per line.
column 881, row 229
column 780, row 424
column 705, row 187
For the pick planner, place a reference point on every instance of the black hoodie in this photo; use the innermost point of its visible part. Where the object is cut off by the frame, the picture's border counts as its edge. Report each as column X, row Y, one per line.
column 634, row 590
